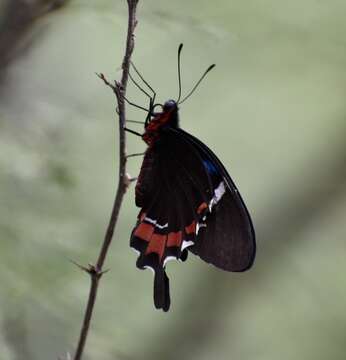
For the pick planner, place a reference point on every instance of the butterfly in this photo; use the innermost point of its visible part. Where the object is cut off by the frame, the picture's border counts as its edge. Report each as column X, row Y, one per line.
column 188, row 201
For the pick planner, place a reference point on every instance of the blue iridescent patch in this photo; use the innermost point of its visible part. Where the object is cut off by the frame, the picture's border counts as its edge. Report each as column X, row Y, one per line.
column 210, row 167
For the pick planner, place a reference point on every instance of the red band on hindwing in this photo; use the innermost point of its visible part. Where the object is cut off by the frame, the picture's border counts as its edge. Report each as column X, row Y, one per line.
column 144, row 231
column 157, row 245
column 174, row 239
column 191, row 229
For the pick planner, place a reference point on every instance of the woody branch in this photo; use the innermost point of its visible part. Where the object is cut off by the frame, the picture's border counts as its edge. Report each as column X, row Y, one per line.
column 96, row 271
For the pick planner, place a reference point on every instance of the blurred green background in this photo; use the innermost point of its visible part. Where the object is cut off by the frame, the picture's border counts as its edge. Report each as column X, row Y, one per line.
column 273, row 110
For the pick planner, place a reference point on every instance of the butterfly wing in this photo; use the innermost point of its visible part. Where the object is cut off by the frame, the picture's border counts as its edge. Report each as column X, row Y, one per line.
column 228, row 239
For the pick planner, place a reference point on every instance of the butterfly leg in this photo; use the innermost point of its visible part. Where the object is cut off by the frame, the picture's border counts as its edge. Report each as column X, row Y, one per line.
column 133, row 132
column 135, row 122
column 135, row 154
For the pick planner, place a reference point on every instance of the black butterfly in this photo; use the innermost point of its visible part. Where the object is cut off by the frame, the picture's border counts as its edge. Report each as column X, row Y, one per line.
column 188, row 201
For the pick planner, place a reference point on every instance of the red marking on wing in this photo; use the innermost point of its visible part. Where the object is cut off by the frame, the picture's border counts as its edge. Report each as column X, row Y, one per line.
column 202, row 207
column 191, row 228
column 174, row 239
column 144, row 231
column 157, row 245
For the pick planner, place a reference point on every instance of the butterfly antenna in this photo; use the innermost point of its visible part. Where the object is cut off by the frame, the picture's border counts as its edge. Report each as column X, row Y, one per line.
column 179, row 73
column 133, row 104
column 198, row 82
column 144, row 81
column 138, row 86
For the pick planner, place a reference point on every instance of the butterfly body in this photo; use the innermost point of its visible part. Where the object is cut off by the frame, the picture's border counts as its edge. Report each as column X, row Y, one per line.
column 189, row 202
column 167, row 118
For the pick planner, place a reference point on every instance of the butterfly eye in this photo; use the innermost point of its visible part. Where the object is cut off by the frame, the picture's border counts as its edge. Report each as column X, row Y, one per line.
column 169, row 104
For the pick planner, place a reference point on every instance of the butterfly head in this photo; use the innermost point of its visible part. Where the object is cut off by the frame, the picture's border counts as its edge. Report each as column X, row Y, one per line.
column 170, row 105
column 170, row 113
column 170, row 109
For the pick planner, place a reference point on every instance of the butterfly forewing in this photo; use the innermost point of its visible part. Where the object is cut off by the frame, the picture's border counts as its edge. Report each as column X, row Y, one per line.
column 228, row 240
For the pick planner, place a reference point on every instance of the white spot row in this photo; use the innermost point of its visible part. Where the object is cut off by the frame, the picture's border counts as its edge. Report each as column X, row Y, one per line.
column 154, row 222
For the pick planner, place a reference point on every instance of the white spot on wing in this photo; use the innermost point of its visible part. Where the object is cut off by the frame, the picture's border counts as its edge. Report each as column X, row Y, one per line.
column 168, row 258
column 135, row 250
column 186, row 244
column 149, row 267
column 154, row 222
column 218, row 193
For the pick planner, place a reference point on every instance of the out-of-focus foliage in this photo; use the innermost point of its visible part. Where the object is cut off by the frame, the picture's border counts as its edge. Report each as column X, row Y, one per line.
column 273, row 110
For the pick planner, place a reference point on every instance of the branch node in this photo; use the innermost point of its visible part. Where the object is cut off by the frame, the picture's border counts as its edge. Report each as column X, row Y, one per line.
column 91, row 269
column 95, row 272
column 104, row 79
column 119, row 86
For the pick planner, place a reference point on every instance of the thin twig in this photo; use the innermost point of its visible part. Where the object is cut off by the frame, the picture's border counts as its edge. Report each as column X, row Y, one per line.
column 95, row 271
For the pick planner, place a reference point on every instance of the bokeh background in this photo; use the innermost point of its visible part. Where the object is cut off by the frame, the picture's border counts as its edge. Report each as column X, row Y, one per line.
column 273, row 110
